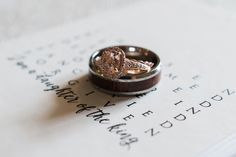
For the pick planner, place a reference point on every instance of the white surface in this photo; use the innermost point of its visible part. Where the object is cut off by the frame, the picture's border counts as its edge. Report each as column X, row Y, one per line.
column 20, row 17
column 225, row 148
column 197, row 42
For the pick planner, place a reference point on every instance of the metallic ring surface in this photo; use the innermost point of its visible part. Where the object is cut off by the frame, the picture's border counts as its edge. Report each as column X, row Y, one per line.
column 130, row 84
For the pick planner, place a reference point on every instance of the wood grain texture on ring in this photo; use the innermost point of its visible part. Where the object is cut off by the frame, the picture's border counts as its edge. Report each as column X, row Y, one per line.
column 117, row 86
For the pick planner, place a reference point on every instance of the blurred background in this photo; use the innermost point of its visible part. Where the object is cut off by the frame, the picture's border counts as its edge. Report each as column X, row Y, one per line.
column 20, row 17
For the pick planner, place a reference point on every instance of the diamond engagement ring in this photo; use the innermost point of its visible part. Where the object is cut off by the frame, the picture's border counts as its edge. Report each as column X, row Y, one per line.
column 114, row 64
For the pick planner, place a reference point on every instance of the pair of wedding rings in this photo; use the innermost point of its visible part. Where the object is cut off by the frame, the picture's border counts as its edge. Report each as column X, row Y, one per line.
column 125, row 70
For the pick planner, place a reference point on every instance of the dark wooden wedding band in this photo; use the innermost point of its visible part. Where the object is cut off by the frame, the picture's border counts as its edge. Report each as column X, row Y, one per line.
column 128, row 85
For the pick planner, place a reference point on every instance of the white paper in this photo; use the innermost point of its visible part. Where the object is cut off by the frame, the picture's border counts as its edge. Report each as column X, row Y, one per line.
column 225, row 148
column 44, row 86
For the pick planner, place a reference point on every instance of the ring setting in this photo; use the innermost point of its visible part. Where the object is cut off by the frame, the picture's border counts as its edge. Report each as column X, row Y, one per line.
column 114, row 64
